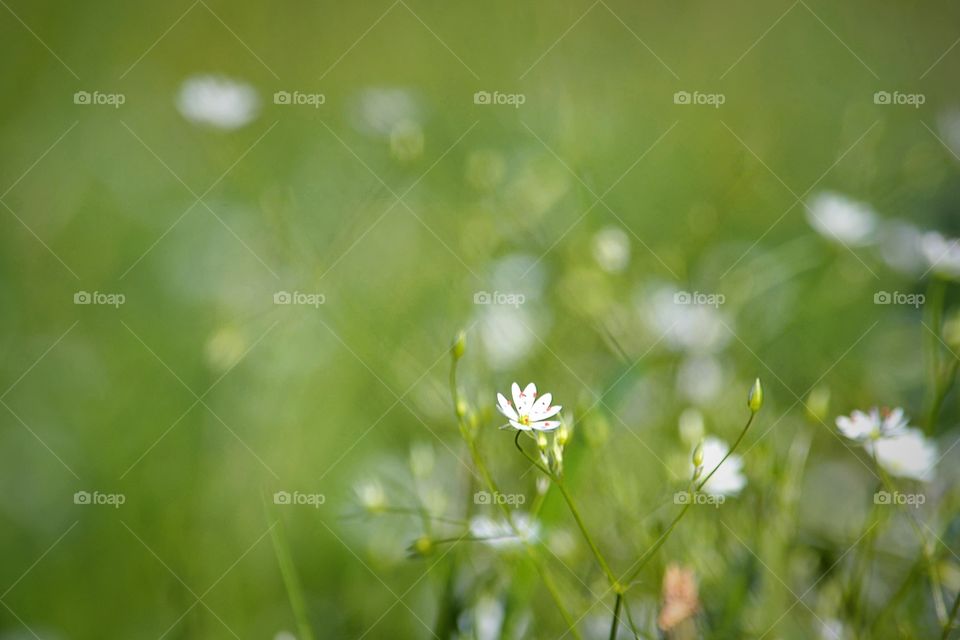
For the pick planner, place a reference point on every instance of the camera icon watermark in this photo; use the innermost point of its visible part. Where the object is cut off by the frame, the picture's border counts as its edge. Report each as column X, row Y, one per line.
column 909, row 499
column 714, row 100
column 299, row 297
column 299, row 499
column 99, row 298
column 897, row 98
column 299, row 98
column 97, row 98
column 499, row 298
column 512, row 499
column 915, row 300
column 699, row 298
column 698, row 498
column 114, row 500
column 497, row 98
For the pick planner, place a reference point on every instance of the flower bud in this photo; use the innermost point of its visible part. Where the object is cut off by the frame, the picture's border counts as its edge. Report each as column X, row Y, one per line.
column 541, row 440
column 563, row 435
column 698, row 455
column 461, row 408
column 818, row 404
column 423, row 547
column 755, row 397
column 459, row 345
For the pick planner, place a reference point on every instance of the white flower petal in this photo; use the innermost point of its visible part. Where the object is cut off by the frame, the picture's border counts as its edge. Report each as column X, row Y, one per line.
column 527, row 396
column 549, row 412
column 908, row 454
column 545, row 425
column 517, row 396
column 541, row 403
column 504, row 406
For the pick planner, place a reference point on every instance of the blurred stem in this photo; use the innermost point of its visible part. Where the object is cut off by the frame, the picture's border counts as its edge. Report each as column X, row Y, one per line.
column 647, row 555
column 948, row 627
column 492, row 487
column 935, row 585
column 941, row 389
column 290, row 580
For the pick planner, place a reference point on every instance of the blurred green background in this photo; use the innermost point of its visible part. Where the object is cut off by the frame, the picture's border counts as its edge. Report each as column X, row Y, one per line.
column 596, row 200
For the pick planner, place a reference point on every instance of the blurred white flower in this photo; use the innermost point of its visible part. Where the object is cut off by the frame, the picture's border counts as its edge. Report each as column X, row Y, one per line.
column 611, row 249
column 379, row 111
column 506, row 334
column 906, row 453
column 942, row 254
column 700, row 378
column 686, row 327
column 499, row 533
column 217, row 101
column 841, row 219
column 488, row 616
column 875, row 424
column 729, row 478
column 527, row 411
column 900, row 247
column 949, row 124
column 371, row 495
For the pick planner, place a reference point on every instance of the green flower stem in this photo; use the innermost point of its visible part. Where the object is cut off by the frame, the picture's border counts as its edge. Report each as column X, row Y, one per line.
column 492, row 487
column 647, row 555
column 616, row 616
column 948, row 626
column 942, row 389
column 936, row 292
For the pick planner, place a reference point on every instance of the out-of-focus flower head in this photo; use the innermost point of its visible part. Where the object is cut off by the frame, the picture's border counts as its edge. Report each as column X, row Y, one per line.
column 729, row 478
column 499, row 533
column 680, row 597
column 908, row 454
column 942, row 254
column 611, row 249
column 841, row 219
column 875, row 424
column 218, row 102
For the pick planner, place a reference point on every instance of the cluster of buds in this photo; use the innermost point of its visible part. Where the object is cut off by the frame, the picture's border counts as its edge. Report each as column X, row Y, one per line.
column 551, row 452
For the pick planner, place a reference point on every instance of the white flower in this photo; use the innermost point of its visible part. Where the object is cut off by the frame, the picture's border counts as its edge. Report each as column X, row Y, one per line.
column 217, row 101
column 611, row 249
column 697, row 328
column 371, row 495
column 908, row 454
column 528, row 411
column 499, row 533
column 841, row 219
column 942, row 255
column 729, row 478
column 876, row 424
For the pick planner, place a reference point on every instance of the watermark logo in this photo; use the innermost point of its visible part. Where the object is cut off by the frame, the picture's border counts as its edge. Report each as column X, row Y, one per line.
column 299, row 98
column 98, row 297
column 511, row 499
column 697, row 498
column 910, row 499
column 914, row 300
column 899, row 98
column 97, row 98
column 496, row 97
column 96, row 498
column 299, row 297
column 699, row 298
column 297, row 498
column 699, row 98
column 499, row 298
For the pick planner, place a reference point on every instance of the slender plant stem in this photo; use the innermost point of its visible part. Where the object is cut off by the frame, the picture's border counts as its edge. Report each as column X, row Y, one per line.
column 616, row 616
column 948, row 627
column 942, row 389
